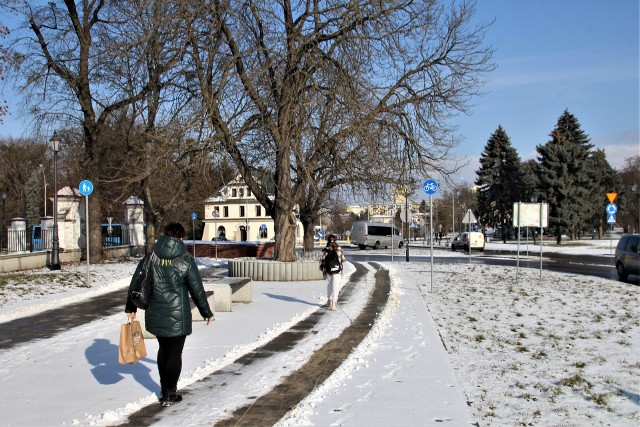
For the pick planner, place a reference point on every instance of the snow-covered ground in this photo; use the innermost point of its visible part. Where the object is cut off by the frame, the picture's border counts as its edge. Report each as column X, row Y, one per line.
column 561, row 350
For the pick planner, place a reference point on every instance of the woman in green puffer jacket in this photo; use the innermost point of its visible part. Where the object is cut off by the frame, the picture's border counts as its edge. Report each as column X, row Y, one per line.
column 168, row 317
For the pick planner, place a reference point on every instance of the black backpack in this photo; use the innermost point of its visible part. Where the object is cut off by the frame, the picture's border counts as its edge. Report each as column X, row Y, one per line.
column 332, row 262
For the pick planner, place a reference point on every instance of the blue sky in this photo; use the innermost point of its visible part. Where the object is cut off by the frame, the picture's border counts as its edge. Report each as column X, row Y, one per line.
column 552, row 55
column 580, row 55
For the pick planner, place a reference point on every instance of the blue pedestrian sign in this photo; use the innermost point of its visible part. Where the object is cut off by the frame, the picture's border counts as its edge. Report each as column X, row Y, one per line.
column 430, row 186
column 85, row 187
column 611, row 218
column 194, row 216
column 612, row 208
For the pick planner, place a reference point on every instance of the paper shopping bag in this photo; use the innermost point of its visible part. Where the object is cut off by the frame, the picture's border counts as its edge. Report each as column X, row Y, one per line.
column 139, row 347
column 126, row 353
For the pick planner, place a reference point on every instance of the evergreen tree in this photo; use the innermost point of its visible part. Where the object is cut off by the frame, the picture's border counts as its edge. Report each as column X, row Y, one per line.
column 564, row 181
column 498, row 181
column 529, row 181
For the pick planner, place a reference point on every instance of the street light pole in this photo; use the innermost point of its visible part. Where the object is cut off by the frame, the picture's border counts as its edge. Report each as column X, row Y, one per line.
column 4, row 209
column 55, row 243
column 634, row 188
column 453, row 211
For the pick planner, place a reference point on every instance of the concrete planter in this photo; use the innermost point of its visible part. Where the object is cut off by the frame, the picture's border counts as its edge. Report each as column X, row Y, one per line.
column 275, row 271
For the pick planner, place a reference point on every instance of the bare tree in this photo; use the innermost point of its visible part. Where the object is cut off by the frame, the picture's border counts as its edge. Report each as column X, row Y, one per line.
column 63, row 70
column 116, row 69
column 387, row 73
column 166, row 144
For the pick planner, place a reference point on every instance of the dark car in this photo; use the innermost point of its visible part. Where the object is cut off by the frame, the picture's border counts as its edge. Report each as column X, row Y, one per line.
column 220, row 239
column 627, row 258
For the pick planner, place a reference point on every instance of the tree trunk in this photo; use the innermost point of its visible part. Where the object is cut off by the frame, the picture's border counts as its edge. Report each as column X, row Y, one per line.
column 307, row 225
column 95, row 227
column 285, row 229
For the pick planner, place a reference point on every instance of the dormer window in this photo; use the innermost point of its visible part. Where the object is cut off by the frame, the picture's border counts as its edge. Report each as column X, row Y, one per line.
column 242, row 192
column 234, row 192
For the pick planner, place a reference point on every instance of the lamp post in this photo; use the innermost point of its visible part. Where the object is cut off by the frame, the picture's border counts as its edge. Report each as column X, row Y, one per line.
column 634, row 188
column 55, row 243
column 453, row 211
column 4, row 209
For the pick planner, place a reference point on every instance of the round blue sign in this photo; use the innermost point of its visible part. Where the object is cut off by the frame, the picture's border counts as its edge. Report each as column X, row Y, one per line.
column 85, row 187
column 612, row 208
column 430, row 186
column 194, row 216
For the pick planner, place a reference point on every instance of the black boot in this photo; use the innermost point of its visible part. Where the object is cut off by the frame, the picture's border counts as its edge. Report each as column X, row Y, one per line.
column 170, row 398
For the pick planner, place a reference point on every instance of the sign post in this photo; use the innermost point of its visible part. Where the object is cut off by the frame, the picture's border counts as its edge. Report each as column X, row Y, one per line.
column 430, row 187
column 611, row 209
column 469, row 218
column 193, row 231
column 86, row 188
column 530, row 215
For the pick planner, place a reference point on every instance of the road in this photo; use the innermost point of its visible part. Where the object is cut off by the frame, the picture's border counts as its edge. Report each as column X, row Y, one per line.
column 591, row 265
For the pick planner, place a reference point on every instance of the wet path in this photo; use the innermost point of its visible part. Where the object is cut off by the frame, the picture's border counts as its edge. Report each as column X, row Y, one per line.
column 52, row 322
column 268, row 408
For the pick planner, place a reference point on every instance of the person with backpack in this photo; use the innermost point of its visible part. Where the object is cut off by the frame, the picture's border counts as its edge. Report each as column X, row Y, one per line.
column 331, row 265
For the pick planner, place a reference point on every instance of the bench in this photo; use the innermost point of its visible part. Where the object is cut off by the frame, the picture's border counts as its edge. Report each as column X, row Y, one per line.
column 240, row 288
column 222, row 295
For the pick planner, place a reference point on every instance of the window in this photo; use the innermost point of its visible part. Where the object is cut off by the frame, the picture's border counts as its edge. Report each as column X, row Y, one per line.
column 263, row 231
column 216, row 212
column 248, row 193
column 241, row 211
column 225, row 211
column 242, row 192
column 258, row 210
column 234, row 192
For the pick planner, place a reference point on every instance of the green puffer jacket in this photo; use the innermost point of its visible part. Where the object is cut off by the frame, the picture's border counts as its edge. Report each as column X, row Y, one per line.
column 175, row 277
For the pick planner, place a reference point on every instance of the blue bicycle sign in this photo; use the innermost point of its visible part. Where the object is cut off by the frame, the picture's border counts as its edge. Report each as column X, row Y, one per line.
column 430, row 186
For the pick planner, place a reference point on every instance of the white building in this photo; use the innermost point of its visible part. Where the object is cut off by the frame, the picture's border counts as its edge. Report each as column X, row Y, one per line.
column 237, row 215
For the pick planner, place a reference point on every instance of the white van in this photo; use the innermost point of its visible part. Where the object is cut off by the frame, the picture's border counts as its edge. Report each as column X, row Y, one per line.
column 462, row 241
column 375, row 234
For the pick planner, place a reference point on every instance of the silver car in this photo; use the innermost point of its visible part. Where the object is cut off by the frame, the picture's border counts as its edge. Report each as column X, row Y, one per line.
column 627, row 257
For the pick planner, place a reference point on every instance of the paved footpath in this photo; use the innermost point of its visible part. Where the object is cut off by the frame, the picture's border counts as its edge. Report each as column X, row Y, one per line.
column 422, row 367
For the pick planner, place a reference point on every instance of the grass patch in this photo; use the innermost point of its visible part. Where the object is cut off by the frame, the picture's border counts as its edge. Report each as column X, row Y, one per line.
column 572, row 381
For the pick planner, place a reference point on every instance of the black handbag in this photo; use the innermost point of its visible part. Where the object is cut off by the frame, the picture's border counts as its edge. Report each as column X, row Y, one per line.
column 142, row 287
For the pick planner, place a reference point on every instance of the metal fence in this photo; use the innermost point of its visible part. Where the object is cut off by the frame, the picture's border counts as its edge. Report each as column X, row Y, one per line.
column 12, row 241
column 117, row 237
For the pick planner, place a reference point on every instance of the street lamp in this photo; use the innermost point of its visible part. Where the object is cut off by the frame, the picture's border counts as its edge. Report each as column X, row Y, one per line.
column 634, row 188
column 4, row 209
column 55, row 244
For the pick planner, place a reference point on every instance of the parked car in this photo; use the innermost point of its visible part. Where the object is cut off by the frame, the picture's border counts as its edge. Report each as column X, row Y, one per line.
column 461, row 241
column 627, row 257
column 220, row 239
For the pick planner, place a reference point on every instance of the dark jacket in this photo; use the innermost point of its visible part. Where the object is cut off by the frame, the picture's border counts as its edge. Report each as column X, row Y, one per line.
column 175, row 277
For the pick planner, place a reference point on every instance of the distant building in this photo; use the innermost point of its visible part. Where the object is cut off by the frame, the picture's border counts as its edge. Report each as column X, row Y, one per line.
column 239, row 216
